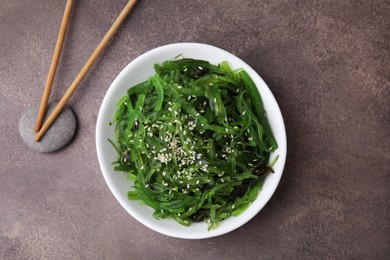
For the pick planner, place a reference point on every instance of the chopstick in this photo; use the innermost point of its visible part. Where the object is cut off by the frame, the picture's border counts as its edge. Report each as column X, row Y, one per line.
column 53, row 65
column 57, row 110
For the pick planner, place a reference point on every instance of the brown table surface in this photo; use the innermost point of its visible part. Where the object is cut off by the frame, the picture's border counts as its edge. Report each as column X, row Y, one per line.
column 327, row 63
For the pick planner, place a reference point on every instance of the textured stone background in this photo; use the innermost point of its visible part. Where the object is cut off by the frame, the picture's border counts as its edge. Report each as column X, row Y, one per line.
column 327, row 63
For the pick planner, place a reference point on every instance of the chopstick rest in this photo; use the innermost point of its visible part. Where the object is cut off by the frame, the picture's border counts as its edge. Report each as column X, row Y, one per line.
column 59, row 134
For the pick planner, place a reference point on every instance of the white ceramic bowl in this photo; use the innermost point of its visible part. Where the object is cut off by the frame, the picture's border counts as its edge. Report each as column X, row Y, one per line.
column 139, row 70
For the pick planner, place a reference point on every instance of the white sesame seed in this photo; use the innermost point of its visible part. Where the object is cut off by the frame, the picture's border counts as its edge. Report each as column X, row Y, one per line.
column 243, row 113
column 197, row 182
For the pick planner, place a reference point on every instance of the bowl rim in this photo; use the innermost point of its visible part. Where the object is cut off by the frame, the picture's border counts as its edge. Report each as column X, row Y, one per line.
column 265, row 91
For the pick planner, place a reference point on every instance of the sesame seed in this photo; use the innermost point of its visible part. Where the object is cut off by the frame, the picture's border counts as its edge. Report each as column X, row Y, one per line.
column 215, row 100
column 243, row 113
column 197, row 182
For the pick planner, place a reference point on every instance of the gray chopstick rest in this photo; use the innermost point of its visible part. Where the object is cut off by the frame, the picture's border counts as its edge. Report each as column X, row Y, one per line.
column 56, row 137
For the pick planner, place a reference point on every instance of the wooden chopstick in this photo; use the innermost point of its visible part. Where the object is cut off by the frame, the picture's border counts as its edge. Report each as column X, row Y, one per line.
column 57, row 110
column 53, row 65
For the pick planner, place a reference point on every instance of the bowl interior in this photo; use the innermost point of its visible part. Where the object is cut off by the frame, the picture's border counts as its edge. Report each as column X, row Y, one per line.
column 139, row 70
